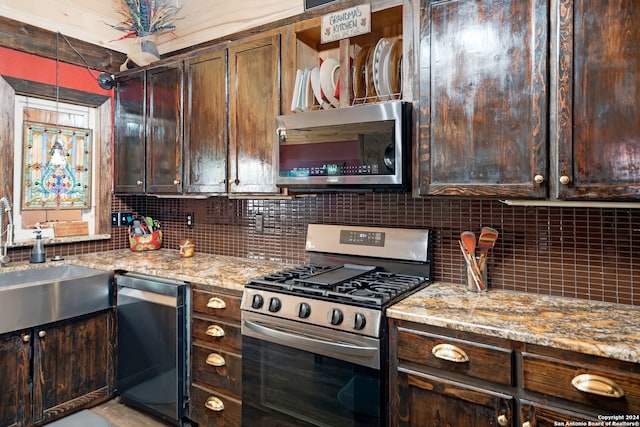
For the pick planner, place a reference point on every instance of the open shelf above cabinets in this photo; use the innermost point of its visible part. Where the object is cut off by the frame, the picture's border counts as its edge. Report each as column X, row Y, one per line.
column 364, row 68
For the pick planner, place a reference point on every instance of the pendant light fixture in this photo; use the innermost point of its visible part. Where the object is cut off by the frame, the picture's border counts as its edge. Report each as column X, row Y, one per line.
column 57, row 159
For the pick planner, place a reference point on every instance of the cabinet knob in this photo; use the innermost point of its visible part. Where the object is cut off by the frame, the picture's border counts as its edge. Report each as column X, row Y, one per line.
column 538, row 179
column 214, row 404
column 564, row 180
column 42, row 334
column 139, row 183
column 222, row 181
column 526, row 424
column 214, row 359
column 598, row 385
column 216, row 302
column 215, row 331
column 176, row 182
column 26, row 338
column 450, row 353
column 503, row 420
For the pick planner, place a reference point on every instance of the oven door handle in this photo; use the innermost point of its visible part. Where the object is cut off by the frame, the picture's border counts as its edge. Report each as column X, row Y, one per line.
column 361, row 354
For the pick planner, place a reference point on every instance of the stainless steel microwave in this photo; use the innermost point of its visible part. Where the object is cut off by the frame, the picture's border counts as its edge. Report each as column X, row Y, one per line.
column 364, row 147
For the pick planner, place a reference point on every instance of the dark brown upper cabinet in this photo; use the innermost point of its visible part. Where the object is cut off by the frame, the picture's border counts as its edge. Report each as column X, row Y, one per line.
column 164, row 129
column 205, row 144
column 129, row 133
column 595, row 119
column 483, row 98
column 148, row 131
column 254, row 103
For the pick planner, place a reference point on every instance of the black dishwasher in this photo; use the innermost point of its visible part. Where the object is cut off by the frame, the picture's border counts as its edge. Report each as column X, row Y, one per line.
column 152, row 370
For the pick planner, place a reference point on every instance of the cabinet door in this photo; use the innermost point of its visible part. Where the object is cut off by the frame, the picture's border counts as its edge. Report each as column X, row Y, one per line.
column 424, row 400
column 14, row 379
column 539, row 416
column 254, row 103
column 129, row 134
column 597, row 119
column 72, row 365
column 483, row 97
column 164, row 127
column 205, row 163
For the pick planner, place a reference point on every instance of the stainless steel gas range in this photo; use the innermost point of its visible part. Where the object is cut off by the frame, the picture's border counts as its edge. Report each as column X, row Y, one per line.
column 315, row 336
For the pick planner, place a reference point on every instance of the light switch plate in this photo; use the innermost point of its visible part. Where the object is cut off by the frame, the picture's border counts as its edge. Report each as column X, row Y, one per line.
column 259, row 226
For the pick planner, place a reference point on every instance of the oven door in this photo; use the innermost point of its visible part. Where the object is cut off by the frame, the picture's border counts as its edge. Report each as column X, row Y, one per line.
column 304, row 375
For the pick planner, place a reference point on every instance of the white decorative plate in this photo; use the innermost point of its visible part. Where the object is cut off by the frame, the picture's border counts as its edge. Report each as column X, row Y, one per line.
column 377, row 54
column 329, row 79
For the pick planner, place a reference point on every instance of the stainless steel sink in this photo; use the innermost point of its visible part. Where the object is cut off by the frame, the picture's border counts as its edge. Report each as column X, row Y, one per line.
column 42, row 295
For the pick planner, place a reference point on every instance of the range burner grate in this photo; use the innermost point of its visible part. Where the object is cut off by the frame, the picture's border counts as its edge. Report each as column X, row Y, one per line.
column 361, row 284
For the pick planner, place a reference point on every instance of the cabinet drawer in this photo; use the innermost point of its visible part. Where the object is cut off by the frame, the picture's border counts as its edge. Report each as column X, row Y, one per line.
column 555, row 378
column 476, row 360
column 218, row 369
column 217, row 334
column 217, row 304
column 205, row 408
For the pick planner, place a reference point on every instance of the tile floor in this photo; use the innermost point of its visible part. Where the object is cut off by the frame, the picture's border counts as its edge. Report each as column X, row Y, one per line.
column 120, row 415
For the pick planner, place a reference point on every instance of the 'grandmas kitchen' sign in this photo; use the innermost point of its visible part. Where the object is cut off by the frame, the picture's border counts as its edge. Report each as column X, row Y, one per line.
column 346, row 23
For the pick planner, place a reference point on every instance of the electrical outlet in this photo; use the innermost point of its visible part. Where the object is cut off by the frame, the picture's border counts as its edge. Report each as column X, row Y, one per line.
column 115, row 219
column 191, row 221
column 259, row 225
column 124, row 217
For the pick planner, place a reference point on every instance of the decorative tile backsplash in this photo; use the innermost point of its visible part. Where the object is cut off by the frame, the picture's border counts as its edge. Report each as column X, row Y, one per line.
column 588, row 253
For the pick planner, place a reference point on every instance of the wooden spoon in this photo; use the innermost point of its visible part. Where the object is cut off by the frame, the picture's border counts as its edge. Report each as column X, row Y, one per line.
column 468, row 241
column 486, row 241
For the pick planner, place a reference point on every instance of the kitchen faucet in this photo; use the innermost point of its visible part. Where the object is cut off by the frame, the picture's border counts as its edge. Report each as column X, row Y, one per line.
column 5, row 206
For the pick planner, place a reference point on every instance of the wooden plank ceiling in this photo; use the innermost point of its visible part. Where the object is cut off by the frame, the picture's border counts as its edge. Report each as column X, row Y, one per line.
column 201, row 20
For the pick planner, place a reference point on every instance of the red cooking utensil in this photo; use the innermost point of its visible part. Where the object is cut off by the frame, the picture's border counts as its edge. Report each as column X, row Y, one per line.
column 468, row 247
column 486, row 241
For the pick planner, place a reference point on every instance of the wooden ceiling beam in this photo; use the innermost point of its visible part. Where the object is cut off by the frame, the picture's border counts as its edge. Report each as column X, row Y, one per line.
column 38, row 41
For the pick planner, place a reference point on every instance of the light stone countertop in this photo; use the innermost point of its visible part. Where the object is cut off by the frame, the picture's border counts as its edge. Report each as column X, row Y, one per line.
column 596, row 328
column 601, row 329
column 205, row 269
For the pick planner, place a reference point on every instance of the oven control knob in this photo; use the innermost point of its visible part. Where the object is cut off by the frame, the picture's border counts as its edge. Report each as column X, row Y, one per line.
column 335, row 316
column 257, row 301
column 274, row 305
column 357, row 321
column 304, row 310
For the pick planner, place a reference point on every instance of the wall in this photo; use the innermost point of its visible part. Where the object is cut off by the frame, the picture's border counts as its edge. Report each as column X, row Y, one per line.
column 42, row 70
column 588, row 253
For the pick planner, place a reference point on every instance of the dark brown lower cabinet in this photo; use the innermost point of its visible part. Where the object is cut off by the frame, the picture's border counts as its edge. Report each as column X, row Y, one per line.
column 534, row 415
column 430, row 401
column 443, row 377
column 216, row 358
column 71, row 368
column 14, row 379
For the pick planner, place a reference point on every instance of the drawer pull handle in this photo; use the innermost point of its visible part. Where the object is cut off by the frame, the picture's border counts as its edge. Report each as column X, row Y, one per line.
column 214, row 404
column 595, row 384
column 450, row 353
column 216, row 302
column 214, row 359
column 215, row 331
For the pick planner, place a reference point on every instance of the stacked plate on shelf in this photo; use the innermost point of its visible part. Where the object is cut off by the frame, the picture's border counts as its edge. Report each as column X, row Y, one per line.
column 377, row 74
column 321, row 84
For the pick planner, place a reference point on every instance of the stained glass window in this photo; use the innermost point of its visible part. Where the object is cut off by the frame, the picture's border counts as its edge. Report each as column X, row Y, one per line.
column 57, row 167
